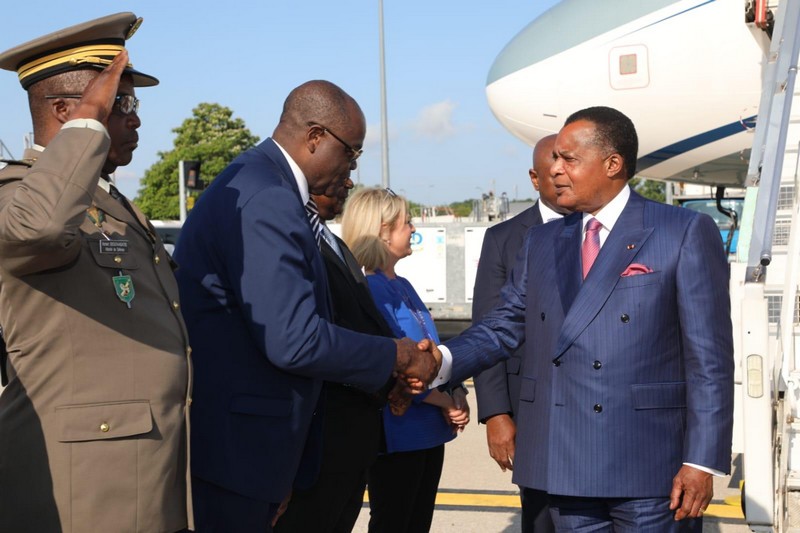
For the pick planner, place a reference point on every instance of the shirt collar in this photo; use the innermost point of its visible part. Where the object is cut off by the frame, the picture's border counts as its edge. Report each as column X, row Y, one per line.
column 609, row 214
column 299, row 177
column 547, row 213
column 104, row 184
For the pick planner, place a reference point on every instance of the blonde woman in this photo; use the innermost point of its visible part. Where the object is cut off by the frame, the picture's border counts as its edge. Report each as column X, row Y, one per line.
column 403, row 482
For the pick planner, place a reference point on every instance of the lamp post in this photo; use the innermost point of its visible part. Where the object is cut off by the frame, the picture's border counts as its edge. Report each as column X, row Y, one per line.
column 181, row 193
column 384, row 123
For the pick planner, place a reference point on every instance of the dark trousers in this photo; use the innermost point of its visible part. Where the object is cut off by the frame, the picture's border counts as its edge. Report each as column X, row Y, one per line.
column 332, row 505
column 535, row 511
column 217, row 510
column 618, row 515
column 402, row 490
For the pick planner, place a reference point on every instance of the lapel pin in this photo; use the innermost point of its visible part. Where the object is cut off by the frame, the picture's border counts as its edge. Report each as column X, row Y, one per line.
column 631, row 246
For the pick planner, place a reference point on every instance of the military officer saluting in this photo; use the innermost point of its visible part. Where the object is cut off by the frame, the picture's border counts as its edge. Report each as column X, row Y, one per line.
column 93, row 433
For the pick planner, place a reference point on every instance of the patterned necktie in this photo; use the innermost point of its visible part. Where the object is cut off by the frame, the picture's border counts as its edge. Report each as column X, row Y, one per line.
column 313, row 217
column 591, row 245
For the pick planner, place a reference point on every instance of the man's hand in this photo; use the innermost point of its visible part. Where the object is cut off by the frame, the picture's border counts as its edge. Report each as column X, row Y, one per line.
column 98, row 96
column 501, row 432
column 281, row 509
column 459, row 415
column 417, row 364
column 692, row 490
column 400, row 398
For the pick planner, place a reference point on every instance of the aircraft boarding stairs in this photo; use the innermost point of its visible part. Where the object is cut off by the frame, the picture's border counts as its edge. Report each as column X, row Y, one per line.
column 765, row 298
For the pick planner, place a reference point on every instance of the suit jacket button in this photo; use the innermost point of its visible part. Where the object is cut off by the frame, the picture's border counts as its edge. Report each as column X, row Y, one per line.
column 104, row 427
column 557, row 362
column 542, row 317
column 598, row 408
column 597, row 365
column 625, row 318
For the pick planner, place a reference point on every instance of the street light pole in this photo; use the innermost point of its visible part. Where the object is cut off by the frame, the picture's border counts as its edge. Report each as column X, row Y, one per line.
column 181, row 192
column 384, row 120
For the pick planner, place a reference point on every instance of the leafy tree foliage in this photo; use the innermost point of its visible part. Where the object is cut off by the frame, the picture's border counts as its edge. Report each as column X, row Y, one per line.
column 211, row 136
column 655, row 190
column 463, row 208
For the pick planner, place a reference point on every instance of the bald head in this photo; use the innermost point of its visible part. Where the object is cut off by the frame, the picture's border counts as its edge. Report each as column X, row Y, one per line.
column 322, row 128
column 320, row 102
column 543, row 155
column 540, row 173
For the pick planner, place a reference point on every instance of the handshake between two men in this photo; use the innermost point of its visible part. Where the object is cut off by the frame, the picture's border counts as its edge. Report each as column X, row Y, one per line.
column 417, row 365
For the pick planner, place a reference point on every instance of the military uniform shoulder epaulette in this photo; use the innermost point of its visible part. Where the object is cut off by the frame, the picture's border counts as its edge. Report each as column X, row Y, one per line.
column 23, row 162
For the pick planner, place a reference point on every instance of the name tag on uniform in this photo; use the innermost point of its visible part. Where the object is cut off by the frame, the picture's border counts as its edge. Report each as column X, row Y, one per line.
column 113, row 247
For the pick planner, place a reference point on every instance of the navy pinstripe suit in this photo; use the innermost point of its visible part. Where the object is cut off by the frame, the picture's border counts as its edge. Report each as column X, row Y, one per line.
column 623, row 378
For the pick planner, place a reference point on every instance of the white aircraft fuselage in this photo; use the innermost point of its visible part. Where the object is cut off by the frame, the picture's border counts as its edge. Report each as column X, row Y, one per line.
column 687, row 72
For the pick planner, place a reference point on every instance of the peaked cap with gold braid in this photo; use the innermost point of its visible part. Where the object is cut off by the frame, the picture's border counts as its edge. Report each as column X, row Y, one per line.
column 92, row 44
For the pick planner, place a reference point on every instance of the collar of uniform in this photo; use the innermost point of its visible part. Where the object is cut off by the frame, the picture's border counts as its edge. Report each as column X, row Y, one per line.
column 299, row 177
column 104, row 184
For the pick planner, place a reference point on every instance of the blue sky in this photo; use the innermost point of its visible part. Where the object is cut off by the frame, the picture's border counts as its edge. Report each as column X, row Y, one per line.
column 444, row 143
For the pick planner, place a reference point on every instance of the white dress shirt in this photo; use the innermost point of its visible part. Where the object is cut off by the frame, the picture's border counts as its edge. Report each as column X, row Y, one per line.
column 299, row 177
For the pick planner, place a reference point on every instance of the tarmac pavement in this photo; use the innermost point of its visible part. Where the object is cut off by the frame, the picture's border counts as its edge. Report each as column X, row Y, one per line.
column 475, row 496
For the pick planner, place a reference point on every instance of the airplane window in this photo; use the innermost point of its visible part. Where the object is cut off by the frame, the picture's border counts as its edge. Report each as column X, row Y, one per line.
column 627, row 64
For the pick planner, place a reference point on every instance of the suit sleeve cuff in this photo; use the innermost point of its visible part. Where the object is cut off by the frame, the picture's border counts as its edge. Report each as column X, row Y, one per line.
column 706, row 469
column 446, row 370
column 90, row 123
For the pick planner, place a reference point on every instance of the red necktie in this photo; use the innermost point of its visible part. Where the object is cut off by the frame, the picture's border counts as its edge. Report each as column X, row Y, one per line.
column 591, row 245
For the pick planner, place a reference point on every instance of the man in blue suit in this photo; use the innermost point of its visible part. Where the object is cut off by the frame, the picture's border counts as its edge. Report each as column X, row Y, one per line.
column 255, row 299
column 626, row 400
column 497, row 388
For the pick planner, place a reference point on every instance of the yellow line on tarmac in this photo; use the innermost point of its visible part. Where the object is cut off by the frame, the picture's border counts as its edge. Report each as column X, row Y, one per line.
column 720, row 510
column 473, row 499
column 511, row 501
column 466, row 499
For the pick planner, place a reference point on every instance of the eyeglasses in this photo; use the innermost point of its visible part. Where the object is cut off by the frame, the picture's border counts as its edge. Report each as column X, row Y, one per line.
column 389, row 192
column 355, row 153
column 124, row 103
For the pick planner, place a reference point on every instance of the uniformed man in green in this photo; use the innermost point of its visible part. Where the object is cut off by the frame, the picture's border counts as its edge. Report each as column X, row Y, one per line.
column 93, row 433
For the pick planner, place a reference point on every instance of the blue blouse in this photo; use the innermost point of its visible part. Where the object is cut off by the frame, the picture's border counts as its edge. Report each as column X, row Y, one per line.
column 423, row 425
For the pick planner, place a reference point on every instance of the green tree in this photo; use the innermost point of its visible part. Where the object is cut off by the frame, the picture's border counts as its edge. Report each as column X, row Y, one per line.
column 211, row 136
column 462, row 209
column 655, row 190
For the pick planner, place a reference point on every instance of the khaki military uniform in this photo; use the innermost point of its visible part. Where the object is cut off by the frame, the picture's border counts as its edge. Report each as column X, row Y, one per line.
column 93, row 423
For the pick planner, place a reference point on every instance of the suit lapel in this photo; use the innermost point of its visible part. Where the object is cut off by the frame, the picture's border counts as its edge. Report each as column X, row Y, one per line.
column 619, row 250
column 270, row 150
column 355, row 278
column 352, row 263
column 331, row 256
column 530, row 217
column 274, row 154
column 568, row 264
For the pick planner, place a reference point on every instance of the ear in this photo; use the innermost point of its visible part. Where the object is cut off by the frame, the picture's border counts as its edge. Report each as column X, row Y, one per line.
column 313, row 136
column 534, row 178
column 614, row 164
column 60, row 109
column 384, row 232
